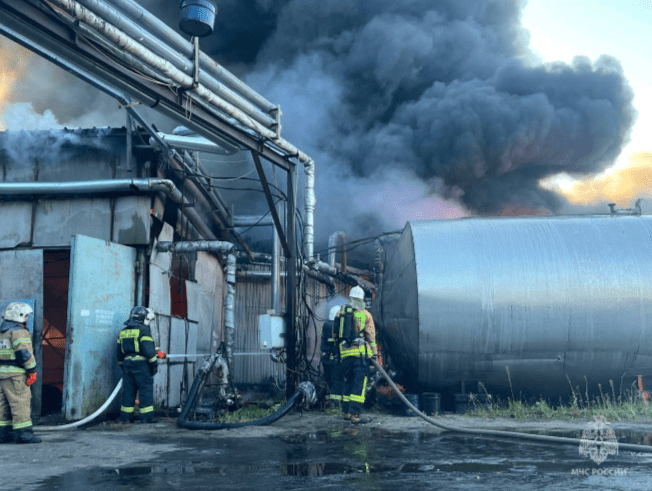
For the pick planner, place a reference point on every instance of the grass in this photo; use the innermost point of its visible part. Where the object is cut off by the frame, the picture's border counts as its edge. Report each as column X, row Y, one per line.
column 249, row 413
column 627, row 405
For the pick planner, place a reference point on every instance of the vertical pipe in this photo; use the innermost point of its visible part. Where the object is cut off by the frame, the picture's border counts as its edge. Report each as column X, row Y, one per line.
column 291, row 281
column 309, row 206
column 229, row 308
column 140, row 277
column 276, row 268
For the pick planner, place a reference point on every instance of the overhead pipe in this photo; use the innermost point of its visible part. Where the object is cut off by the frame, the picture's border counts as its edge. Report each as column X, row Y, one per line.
column 186, row 48
column 351, row 280
column 215, row 246
column 198, row 143
column 141, row 35
column 252, row 221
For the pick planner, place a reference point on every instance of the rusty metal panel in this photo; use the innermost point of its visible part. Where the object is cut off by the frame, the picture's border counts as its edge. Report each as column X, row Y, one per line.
column 102, row 288
column 21, row 276
column 131, row 221
column 161, row 336
column 56, row 221
column 19, row 215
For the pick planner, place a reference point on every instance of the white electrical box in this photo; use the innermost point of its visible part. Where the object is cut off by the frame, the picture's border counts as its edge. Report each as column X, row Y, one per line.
column 271, row 331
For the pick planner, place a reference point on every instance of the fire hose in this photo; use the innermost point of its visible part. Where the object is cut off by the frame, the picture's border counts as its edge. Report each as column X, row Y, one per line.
column 499, row 433
column 306, row 392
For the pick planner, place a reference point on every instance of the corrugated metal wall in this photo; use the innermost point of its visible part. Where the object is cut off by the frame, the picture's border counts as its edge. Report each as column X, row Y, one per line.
column 253, row 365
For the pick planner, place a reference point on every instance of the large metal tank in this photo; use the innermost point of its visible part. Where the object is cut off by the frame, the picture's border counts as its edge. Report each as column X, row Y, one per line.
column 561, row 301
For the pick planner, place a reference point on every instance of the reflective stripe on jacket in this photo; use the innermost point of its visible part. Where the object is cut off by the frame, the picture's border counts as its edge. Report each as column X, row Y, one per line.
column 135, row 343
column 16, row 351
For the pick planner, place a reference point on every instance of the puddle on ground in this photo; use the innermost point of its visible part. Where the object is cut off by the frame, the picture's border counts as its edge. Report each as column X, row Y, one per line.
column 375, row 459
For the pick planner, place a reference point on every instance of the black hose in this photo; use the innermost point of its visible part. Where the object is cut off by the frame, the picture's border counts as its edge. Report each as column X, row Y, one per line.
column 306, row 390
column 507, row 434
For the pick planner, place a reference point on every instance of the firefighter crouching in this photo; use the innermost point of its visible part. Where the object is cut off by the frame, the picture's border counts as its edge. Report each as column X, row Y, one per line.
column 357, row 337
column 137, row 356
column 17, row 374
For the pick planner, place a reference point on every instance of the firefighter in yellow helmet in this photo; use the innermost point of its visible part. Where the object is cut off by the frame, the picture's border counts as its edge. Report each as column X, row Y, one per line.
column 357, row 337
column 17, row 374
column 137, row 357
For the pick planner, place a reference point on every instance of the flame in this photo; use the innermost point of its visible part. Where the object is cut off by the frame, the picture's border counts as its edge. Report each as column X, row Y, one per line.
column 620, row 185
column 14, row 61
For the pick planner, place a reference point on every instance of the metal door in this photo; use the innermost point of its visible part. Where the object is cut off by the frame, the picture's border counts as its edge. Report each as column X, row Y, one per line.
column 21, row 278
column 102, row 288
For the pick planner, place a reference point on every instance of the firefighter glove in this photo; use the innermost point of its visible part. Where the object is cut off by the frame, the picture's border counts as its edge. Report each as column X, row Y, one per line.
column 160, row 354
column 31, row 378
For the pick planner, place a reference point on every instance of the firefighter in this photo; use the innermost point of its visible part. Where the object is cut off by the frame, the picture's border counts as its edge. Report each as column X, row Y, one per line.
column 329, row 353
column 357, row 338
column 17, row 374
column 137, row 356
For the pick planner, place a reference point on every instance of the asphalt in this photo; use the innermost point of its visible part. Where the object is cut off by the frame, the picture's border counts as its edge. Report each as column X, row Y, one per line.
column 318, row 450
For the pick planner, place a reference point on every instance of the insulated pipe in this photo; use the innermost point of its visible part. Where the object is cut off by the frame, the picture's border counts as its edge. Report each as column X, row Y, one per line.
column 252, row 221
column 309, row 205
column 215, row 246
column 498, row 433
column 333, row 240
column 118, row 37
column 87, row 419
column 198, row 143
column 325, row 268
column 139, row 34
column 186, row 48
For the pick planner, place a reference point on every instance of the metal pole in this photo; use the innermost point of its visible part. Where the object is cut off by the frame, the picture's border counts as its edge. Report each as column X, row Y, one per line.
column 276, row 269
column 291, row 283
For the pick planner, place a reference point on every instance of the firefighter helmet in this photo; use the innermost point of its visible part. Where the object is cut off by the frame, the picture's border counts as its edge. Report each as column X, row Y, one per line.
column 17, row 312
column 333, row 312
column 139, row 314
column 356, row 297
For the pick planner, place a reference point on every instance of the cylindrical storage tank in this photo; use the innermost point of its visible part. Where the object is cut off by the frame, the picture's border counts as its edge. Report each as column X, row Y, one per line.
column 544, row 302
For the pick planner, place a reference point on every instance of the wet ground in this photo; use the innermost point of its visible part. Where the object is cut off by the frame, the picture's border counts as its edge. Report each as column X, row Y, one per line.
column 316, row 451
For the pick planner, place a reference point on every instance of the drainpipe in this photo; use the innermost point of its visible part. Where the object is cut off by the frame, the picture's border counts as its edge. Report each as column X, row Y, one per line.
column 215, row 246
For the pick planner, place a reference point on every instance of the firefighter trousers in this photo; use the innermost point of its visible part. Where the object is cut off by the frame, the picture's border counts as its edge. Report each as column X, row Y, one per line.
column 354, row 372
column 136, row 377
column 15, row 402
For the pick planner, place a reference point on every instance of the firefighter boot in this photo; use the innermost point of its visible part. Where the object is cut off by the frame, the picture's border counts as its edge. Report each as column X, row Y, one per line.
column 26, row 435
column 6, row 434
column 149, row 419
column 358, row 419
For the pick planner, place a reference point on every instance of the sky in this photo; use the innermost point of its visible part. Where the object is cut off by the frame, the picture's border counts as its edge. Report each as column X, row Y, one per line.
column 560, row 30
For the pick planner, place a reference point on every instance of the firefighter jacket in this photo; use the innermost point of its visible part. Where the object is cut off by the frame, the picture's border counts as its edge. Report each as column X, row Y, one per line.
column 135, row 343
column 328, row 342
column 365, row 331
column 16, row 351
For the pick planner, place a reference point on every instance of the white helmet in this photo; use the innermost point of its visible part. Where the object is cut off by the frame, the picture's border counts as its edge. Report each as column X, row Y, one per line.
column 18, row 312
column 149, row 317
column 356, row 297
column 333, row 312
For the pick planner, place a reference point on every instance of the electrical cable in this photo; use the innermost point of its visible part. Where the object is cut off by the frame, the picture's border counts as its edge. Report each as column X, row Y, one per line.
column 498, row 433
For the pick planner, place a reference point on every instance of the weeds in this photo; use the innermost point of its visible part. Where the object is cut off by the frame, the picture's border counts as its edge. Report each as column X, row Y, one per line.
column 249, row 413
column 628, row 404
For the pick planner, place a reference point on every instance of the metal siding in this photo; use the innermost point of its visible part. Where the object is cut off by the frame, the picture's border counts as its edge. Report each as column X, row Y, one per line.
column 175, row 367
column 161, row 335
column 131, row 220
column 56, row 221
column 21, row 276
column 102, row 286
column 547, row 296
column 19, row 215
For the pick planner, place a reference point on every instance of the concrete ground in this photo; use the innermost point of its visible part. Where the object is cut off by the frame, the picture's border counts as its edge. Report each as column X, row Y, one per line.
column 71, row 458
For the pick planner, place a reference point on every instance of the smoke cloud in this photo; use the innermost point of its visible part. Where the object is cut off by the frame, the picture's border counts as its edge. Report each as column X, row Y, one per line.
column 412, row 109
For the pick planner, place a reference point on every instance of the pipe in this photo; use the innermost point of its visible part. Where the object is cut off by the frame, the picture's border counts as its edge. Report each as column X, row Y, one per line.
column 139, row 34
column 87, row 419
column 198, row 143
column 309, row 201
column 276, row 267
column 252, row 221
column 215, row 246
column 186, row 48
column 332, row 248
column 325, row 268
column 498, row 433
column 116, row 36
